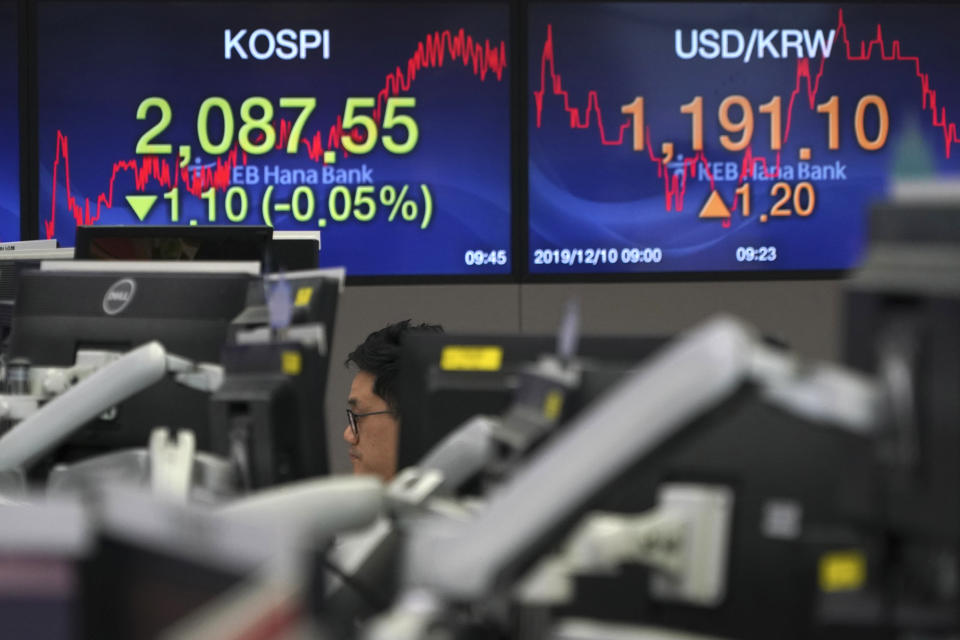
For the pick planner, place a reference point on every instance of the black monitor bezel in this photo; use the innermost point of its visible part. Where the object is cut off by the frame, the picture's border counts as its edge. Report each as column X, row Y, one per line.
column 520, row 271
column 260, row 235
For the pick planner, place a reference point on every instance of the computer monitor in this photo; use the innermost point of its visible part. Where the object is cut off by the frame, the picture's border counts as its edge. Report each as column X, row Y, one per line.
column 928, row 223
column 403, row 77
column 803, row 497
column 908, row 337
column 720, row 138
column 902, row 325
column 314, row 296
column 293, row 251
column 44, row 547
column 798, row 489
column 271, row 402
column 125, row 242
column 277, row 250
column 10, row 123
column 437, row 395
column 187, row 307
column 15, row 258
column 155, row 562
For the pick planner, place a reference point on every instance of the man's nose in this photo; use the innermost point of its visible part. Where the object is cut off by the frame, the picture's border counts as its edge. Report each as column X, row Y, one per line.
column 348, row 435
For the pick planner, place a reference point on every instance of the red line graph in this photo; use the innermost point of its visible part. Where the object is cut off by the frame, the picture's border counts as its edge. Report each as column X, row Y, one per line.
column 675, row 183
column 436, row 50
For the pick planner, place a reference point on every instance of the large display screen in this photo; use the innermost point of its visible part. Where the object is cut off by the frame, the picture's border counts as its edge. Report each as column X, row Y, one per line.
column 386, row 126
column 9, row 125
column 721, row 137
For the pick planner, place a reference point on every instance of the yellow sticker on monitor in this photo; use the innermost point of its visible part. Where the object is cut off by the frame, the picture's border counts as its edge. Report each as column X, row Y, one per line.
column 553, row 405
column 471, row 358
column 843, row 571
column 291, row 363
column 303, row 296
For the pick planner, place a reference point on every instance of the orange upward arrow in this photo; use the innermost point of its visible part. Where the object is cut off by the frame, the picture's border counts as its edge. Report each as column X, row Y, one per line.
column 715, row 207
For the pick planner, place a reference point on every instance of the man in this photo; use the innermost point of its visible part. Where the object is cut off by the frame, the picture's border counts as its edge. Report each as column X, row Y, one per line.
column 373, row 416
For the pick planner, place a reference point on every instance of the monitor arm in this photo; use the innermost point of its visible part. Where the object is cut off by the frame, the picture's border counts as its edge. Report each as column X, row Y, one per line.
column 683, row 539
column 455, row 459
column 319, row 507
column 113, row 380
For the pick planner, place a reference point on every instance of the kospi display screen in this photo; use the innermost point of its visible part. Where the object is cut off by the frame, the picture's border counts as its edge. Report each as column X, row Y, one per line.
column 386, row 126
column 721, row 137
column 9, row 125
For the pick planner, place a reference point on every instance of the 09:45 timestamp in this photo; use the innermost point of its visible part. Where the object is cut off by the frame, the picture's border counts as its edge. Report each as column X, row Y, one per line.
column 479, row 257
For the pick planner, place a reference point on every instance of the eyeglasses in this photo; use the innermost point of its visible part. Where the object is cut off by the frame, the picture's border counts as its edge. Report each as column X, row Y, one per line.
column 352, row 419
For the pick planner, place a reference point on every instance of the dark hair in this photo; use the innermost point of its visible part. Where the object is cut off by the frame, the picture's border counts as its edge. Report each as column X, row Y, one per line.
column 379, row 355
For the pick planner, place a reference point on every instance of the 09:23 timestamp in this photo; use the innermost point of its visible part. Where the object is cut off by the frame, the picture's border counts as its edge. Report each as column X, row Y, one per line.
column 756, row 254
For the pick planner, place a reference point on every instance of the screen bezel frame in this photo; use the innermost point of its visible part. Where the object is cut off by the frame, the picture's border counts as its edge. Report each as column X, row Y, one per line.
column 748, row 275
column 30, row 151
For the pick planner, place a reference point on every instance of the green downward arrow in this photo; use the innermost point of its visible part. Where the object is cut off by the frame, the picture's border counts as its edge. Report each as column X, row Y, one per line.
column 141, row 205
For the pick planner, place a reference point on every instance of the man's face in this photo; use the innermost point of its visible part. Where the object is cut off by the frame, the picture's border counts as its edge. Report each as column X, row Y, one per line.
column 374, row 449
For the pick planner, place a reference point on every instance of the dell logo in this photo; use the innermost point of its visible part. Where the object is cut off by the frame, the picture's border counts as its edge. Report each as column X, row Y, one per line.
column 118, row 296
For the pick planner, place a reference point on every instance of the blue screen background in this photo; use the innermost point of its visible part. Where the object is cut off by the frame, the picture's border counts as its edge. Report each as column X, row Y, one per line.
column 9, row 126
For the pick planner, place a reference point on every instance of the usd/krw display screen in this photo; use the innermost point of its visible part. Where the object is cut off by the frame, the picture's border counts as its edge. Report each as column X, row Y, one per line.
column 720, row 137
column 9, row 125
column 384, row 126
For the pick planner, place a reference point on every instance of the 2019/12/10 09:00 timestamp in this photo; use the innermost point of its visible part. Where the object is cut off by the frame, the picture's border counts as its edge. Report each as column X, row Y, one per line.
column 598, row 255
